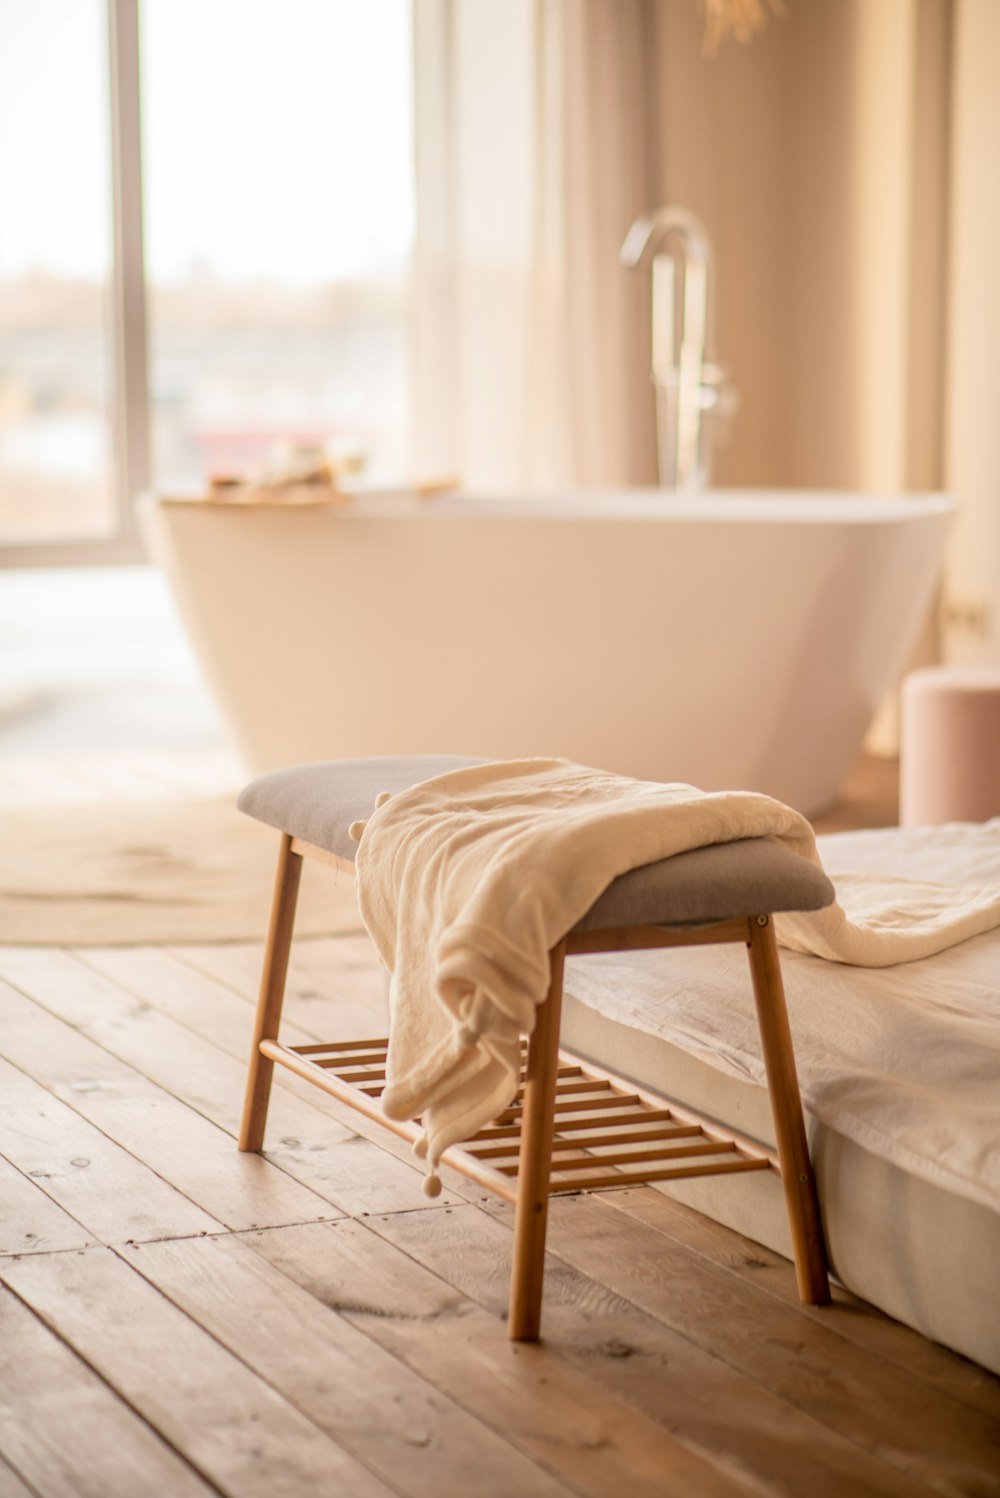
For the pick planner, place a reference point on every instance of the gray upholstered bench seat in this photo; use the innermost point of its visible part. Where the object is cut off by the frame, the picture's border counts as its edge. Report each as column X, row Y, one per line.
column 318, row 803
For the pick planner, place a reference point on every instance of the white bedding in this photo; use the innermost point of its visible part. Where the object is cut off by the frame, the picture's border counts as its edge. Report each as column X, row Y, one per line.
column 904, row 1061
column 466, row 882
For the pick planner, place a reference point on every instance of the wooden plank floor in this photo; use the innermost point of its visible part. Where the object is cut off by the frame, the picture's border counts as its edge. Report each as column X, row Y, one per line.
column 177, row 1318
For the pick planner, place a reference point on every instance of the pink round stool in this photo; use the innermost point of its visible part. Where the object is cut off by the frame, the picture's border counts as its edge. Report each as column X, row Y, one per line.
column 949, row 768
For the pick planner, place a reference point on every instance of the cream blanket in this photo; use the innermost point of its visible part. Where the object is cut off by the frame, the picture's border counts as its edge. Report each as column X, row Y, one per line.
column 467, row 881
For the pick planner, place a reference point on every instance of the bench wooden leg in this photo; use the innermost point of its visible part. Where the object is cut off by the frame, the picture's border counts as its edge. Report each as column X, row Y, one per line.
column 534, row 1162
column 272, row 994
column 786, row 1106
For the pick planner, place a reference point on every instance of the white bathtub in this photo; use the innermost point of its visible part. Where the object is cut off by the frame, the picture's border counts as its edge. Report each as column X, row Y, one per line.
column 740, row 639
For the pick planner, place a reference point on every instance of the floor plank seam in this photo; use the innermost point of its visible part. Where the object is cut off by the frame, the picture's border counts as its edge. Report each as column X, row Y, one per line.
column 292, row 1085
column 776, row 1296
column 500, row 1213
column 380, row 1139
column 567, row 1356
column 632, row 1377
column 813, row 1314
column 544, row 1348
column 877, row 1451
column 341, row 1115
column 228, row 1133
column 66, row 1102
column 118, row 1394
column 181, row 952
column 261, row 1376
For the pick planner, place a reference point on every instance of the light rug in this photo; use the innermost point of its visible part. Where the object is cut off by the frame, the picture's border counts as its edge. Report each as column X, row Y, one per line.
column 131, row 873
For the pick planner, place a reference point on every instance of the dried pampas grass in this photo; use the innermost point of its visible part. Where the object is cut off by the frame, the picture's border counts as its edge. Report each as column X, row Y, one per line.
column 741, row 17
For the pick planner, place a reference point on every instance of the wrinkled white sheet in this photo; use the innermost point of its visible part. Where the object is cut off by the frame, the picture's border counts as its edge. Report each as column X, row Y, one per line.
column 905, row 1060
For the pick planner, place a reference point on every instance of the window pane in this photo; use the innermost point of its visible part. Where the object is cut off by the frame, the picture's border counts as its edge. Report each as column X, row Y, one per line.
column 279, row 223
column 55, row 264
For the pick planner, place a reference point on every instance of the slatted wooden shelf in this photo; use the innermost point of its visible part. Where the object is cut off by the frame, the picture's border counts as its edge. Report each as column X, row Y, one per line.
column 608, row 1132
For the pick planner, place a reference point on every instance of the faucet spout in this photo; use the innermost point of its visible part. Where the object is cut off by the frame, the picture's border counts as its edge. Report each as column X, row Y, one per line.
column 686, row 385
column 650, row 228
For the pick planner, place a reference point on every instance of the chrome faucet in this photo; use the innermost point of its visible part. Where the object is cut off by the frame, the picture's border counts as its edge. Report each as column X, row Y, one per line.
column 688, row 388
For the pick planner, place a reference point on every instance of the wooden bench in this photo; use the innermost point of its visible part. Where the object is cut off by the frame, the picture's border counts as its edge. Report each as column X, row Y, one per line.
column 573, row 1126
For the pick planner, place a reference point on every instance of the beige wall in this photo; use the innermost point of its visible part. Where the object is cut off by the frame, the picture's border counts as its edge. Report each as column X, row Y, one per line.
column 972, row 624
column 816, row 157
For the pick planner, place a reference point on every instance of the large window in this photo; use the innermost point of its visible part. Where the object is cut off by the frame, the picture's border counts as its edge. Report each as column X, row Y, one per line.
column 56, row 262
column 236, row 289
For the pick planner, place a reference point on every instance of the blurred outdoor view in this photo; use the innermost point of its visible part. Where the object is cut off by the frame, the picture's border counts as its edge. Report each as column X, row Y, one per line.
column 278, row 204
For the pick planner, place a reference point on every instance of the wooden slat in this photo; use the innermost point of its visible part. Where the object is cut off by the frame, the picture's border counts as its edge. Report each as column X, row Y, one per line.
column 350, row 1073
column 588, row 1108
column 633, row 1157
column 594, row 1135
column 602, row 1180
column 508, row 1151
column 600, row 1102
column 602, row 1140
column 330, row 1082
column 605, row 1123
column 366, row 1058
column 343, row 1047
column 569, row 1089
column 688, row 1115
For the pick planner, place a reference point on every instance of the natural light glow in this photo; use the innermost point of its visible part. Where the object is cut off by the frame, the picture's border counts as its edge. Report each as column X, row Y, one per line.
column 268, row 151
column 54, row 152
column 278, row 209
column 277, row 138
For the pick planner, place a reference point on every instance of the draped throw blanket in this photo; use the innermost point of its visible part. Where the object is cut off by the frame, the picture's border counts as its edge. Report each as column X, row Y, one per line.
column 467, row 881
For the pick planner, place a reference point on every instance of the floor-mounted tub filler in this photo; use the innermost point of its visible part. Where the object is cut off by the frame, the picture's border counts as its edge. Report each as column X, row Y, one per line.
column 740, row 639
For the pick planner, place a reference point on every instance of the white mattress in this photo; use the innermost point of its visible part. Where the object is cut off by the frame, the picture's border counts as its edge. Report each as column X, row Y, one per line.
column 900, row 1074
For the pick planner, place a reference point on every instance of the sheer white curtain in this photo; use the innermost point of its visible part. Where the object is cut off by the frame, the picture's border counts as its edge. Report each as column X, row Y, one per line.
column 532, row 160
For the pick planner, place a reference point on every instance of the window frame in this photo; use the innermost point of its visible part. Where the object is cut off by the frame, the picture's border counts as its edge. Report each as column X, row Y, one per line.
column 129, row 414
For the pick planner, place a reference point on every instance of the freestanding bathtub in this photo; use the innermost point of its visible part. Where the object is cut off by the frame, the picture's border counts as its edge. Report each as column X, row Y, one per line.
column 741, row 639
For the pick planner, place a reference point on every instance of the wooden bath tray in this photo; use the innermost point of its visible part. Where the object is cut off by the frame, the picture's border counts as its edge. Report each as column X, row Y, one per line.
column 607, row 1131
